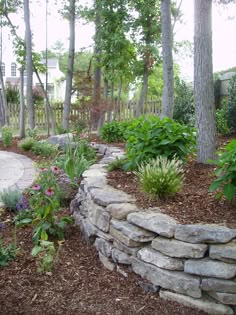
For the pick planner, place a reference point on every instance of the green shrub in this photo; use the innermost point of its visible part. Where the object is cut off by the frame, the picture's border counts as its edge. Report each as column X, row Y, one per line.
column 117, row 164
column 44, row 148
column 10, row 198
column 26, row 144
column 222, row 119
column 114, row 131
column 32, row 133
column 184, row 102
column 7, row 253
column 149, row 137
column 231, row 113
column 226, row 172
column 160, row 177
column 6, row 136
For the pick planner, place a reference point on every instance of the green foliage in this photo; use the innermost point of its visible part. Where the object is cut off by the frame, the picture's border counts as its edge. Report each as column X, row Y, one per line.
column 32, row 133
column 117, row 164
column 10, row 198
column 226, row 172
column 26, row 144
column 222, row 119
column 45, row 202
column 46, row 254
column 23, row 218
column 149, row 136
column 12, row 94
column 76, row 160
column 7, row 253
column 114, row 131
column 160, row 177
column 231, row 114
column 44, row 148
column 6, row 136
column 184, row 102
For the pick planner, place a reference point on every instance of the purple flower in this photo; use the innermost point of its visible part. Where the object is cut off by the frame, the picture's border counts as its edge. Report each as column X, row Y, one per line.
column 22, row 204
column 2, row 227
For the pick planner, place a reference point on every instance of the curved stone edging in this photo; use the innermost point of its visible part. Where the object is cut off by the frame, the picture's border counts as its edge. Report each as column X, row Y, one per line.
column 192, row 264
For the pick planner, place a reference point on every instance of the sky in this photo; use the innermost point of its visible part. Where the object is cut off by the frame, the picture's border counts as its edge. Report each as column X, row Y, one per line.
column 224, row 45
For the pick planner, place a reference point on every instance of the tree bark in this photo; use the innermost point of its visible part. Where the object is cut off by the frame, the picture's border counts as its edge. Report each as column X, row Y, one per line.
column 168, row 75
column 203, row 82
column 22, row 104
column 95, row 112
column 29, row 66
column 70, row 68
column 4, row 107
column 144, row 91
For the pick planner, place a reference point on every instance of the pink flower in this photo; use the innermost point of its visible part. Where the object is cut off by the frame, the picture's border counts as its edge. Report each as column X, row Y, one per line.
column 55, row 169
column 49, row 192
column 36, row 187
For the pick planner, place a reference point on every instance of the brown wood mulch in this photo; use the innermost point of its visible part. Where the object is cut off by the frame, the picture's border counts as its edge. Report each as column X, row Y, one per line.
column 79, row 284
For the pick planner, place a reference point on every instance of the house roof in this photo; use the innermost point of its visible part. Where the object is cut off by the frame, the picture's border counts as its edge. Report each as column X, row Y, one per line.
column 52, row 62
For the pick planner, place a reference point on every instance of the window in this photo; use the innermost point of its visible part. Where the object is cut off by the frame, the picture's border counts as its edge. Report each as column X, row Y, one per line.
column 3, row 69
column 13, row 69
column 50, row 91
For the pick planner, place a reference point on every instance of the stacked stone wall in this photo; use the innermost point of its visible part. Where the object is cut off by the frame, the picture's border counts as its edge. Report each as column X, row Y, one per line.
column 192, row 264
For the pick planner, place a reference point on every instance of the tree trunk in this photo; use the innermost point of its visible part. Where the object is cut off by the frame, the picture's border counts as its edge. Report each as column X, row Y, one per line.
column 22, row 104
column 29, row 66
column 102, row 115
column 70, row 68
column 97, row 71
column 143, row 93
column 203, row 82
column 168, row 76
column 4, row 107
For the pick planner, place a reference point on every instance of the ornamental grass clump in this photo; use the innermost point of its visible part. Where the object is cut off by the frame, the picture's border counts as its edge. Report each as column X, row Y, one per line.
column 161, row 178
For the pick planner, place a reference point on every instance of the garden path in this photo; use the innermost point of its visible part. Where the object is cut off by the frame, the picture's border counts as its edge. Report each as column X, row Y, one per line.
column 15, row 170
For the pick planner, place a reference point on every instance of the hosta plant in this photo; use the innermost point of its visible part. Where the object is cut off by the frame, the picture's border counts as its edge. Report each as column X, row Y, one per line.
column 161, row 178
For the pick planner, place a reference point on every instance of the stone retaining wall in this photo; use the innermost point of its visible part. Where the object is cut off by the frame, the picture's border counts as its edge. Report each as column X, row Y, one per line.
column 192, row 264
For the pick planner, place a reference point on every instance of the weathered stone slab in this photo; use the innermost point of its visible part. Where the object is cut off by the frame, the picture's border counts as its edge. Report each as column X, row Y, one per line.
column 120, row 257
column 121, row 271
column 88, row 230
column 226, row 252
column 107, row 160
column 224, row 298
column 94, row 173
column 155, row 221
column 106, row 262
column 111, row 150
column 103, row 246
column 133, row 232
column 213, row 284
column 106, row 196
column 210, row 268
column 174, row 280
column 61, row 140
column 204, row 233
column 203, row 304
column 99, row 217
column 154, row 257
column 93, row 182
column 99, row 167
column 149, row 287
column 179, row 249
column 121, row 210
column 128, row 250
column 123, row 239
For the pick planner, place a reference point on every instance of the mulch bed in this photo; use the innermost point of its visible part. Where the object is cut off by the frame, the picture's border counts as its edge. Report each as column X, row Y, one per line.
column 79, row 283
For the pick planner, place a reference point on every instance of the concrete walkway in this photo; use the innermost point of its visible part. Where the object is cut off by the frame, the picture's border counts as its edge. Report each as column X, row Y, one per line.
column 16, row 170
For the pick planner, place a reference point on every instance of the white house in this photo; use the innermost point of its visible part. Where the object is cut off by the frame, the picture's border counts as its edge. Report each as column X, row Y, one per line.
column 56, row 80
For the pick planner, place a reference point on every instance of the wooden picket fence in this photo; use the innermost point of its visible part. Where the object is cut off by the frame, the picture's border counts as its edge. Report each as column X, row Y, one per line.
column 121, row 111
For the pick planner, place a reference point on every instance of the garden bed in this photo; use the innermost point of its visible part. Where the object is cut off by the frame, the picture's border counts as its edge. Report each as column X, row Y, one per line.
column 79, row 284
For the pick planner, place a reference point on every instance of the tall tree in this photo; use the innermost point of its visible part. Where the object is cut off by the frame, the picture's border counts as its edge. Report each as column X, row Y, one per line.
column 203, row 82
column 29, row 65
column 168, row 73
column 71, row 13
